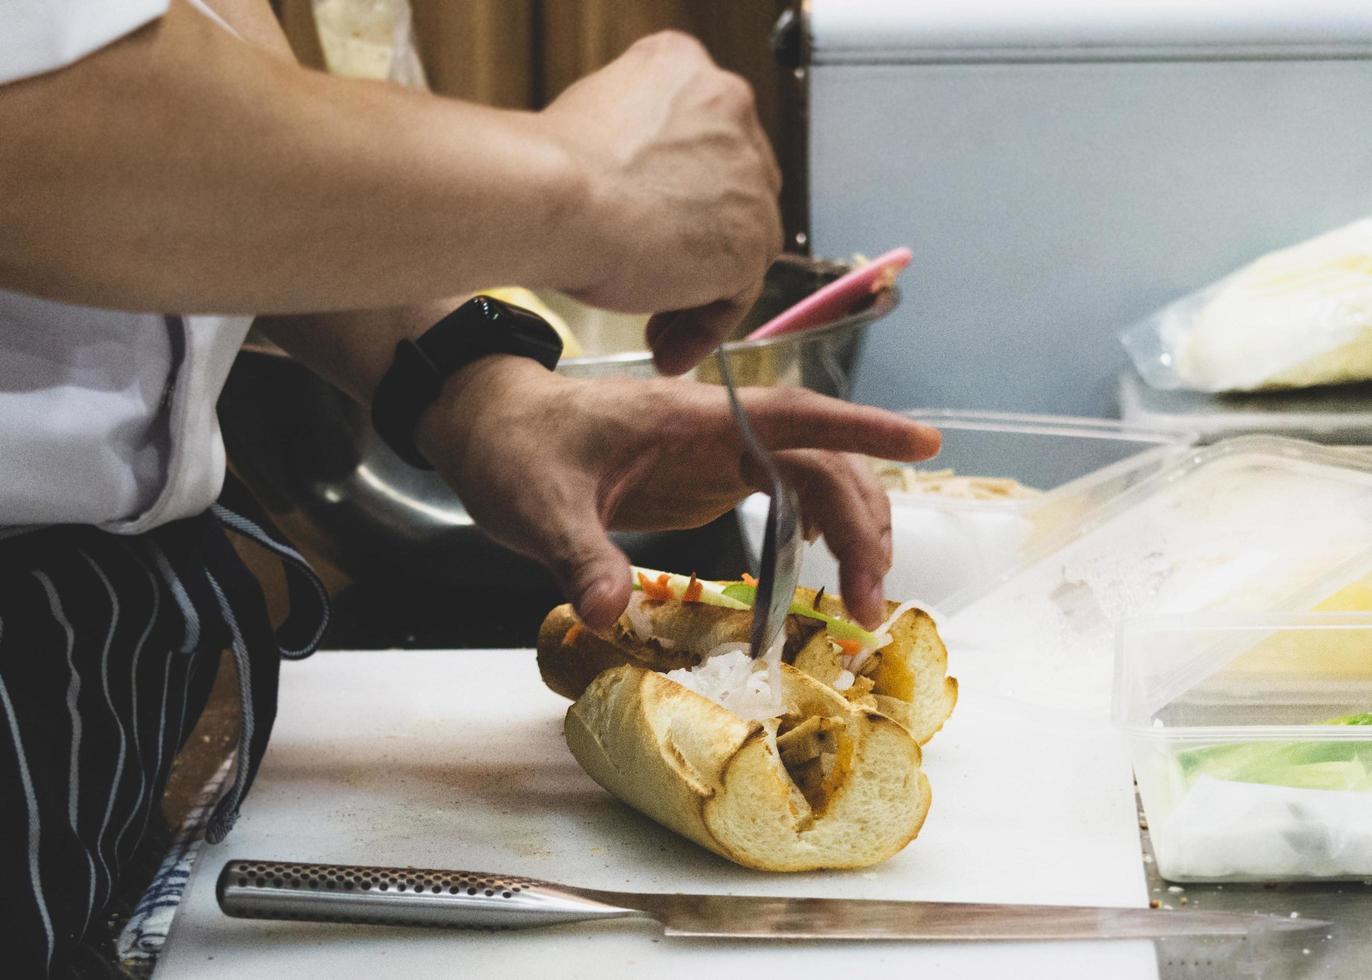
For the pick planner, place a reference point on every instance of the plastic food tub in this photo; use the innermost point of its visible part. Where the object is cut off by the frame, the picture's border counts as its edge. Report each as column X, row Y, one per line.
column 1247, row 525
column 1251, row 740
column 950, row 550
column 1333, row 414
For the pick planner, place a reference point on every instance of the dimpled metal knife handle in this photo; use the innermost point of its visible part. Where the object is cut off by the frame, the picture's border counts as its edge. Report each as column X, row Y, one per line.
column 402, row 896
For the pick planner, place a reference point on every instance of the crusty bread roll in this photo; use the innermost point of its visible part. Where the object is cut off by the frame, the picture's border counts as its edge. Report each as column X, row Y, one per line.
column 910, row 679
column 699, row 769
column 570, row 655
column 833, row 782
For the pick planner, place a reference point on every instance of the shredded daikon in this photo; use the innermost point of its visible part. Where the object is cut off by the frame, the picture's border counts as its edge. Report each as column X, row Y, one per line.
column 638, row 617
column 854, row 662
column 884, row 630
column 729, row 677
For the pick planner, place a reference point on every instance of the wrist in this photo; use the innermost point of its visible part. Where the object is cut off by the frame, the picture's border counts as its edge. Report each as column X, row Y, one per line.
column 422, row 367
column 473, row 390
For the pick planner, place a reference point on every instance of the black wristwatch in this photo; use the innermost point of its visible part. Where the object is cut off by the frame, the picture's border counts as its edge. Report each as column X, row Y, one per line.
column 478, row 327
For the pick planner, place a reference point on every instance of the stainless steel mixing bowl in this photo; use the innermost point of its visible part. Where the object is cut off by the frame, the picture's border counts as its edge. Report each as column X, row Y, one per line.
column 311, row 456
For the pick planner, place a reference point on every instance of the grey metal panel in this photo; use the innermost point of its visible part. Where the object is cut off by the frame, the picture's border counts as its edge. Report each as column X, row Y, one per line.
column 885, row 31
column 1048, row 205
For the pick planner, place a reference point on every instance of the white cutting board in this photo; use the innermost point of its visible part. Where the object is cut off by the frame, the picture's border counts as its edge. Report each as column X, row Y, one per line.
column 454, row 759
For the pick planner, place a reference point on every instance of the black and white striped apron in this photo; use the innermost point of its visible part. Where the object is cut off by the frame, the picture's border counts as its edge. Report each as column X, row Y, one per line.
column 109, row 645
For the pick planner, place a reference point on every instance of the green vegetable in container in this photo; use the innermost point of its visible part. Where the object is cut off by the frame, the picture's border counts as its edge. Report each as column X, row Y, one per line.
column 1338, row 765
column 1363, row 719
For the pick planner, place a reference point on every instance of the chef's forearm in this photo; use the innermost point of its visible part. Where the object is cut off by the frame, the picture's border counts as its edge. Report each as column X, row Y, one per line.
column 352, row 349
column 181, row 169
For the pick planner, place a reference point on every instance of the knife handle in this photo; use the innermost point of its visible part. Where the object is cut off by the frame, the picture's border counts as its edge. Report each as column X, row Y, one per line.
column 401, row 896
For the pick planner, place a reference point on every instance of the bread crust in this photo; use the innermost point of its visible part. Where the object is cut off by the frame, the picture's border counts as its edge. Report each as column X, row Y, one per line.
column 718, row 780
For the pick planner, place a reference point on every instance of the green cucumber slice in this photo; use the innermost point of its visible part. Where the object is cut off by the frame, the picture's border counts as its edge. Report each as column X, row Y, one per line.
column 839, row 629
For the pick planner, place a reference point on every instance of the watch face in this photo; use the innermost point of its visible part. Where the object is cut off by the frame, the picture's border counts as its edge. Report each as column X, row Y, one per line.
column 492, row 308
column 483, row 325
column 522, row 332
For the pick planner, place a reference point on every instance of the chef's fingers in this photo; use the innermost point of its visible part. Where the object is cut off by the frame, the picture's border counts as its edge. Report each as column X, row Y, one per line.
column 744, row 109
column 769, row 160
column 796, row 418
column 681, row 339
column 657, row 325
column 873, row 495
column 856, row 523
column 592, row 573
column 766, row 158
column 878, row 502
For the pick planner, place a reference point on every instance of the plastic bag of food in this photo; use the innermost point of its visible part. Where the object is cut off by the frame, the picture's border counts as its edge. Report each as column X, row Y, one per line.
column 1294, row 318
column 370, row 39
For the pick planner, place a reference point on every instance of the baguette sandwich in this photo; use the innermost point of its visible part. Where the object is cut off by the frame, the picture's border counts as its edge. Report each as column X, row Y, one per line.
column 807, row 758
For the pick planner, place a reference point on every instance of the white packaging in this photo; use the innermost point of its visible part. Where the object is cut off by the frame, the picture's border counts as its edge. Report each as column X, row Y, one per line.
column 1224, row 830
column 1295, row 318
column 371, row 39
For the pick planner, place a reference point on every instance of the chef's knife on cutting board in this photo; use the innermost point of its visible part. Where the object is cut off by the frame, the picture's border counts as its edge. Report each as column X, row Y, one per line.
column 468, row 899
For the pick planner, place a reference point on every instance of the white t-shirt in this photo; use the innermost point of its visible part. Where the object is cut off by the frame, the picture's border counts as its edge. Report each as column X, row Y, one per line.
column 106, row 418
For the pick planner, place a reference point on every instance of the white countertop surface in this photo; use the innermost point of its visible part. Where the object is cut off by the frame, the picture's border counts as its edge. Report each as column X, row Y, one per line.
column 454, row 759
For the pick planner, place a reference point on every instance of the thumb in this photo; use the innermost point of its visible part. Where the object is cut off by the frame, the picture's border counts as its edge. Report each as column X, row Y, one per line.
column 592, row 573
column 682, row 338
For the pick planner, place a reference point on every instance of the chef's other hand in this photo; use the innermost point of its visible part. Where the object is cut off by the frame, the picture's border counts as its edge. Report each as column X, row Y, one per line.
column 685, row 186
column 548, row 464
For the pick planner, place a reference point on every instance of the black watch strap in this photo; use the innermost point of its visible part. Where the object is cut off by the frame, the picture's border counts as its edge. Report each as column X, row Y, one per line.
column 478, row 327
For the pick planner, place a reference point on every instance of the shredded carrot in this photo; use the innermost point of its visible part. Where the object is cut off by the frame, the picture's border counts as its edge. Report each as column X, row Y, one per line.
column 693, row 590
column 849, row 647
column 659, row 589
column 749, row 580
column 572, row 633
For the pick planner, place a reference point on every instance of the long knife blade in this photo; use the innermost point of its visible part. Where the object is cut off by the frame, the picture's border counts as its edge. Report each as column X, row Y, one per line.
column 411, row 896
column 823, row 918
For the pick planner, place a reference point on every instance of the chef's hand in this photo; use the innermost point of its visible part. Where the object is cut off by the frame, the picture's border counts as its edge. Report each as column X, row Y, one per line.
column 683, row 212
column 547, row 464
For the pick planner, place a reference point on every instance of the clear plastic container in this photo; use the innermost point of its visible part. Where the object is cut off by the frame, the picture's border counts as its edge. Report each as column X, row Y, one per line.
column 949, row 550
column 1251, row 739
column 1335, row 415
column 1246, row 525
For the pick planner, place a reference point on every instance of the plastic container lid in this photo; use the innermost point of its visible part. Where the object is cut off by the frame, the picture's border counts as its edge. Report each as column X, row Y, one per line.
column 1249, row 675
column 1251, row 524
